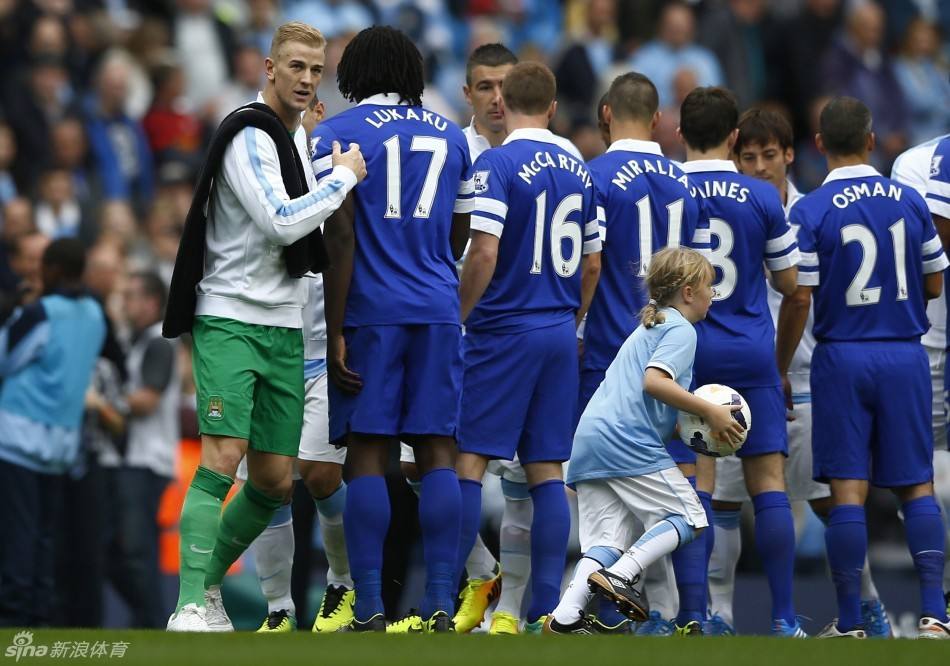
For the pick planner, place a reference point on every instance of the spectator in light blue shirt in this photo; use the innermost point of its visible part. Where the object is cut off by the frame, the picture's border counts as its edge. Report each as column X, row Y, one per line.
column 673, row 50
column 47, row 353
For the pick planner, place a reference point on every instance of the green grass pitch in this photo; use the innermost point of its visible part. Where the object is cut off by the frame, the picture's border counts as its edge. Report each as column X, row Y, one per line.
column 154, row 647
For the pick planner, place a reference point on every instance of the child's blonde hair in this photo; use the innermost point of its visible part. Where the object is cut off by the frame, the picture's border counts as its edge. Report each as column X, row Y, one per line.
column 671, row 269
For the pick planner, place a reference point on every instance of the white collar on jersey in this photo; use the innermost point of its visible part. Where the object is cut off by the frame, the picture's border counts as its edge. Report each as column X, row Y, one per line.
column 846, row 172
column 473, row 136
column 544, row 135
column 698, row 166
column 792, row 195
column 384, row 99
column 636, row 146
column 791, row 191
column 533, row 134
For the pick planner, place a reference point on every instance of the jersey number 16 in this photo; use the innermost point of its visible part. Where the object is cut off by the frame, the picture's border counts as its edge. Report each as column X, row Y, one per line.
column 561, row 228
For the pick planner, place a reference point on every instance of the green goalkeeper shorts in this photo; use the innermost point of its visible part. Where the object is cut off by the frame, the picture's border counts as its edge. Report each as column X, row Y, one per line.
column 249, row 380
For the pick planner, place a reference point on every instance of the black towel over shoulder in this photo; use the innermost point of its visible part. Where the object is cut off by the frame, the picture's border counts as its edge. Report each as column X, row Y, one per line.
column 307, row 254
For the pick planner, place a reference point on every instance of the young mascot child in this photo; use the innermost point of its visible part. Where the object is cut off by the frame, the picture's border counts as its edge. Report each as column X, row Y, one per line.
column 620, row 466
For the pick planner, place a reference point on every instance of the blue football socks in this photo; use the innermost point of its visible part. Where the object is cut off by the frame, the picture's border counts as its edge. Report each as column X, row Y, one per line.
column 366, row 521
column 690, row 566
column 550, row 530
column 847, row 542
column 775, row 541
column 925, row 539
column 470, row 517
column 689, row 562
column 440, row 504
column 709, row 534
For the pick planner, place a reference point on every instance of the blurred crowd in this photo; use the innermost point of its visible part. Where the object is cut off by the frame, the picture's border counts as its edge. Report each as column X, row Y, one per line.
column 106, row 107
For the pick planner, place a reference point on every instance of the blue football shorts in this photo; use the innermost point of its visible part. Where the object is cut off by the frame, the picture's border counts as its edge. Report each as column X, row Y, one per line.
column 412, row 380
column 519, row 394
column 871, row 413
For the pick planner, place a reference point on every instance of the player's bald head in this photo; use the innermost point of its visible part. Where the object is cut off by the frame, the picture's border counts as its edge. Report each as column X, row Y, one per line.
column 844, row 126
column 633, row 97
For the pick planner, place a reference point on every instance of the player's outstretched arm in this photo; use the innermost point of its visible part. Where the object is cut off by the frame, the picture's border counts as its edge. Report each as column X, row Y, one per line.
column 659, row 385
column 252, row 169
column 792, row 317
column 590, row 276
column 458, row 239
column 478, row 270
column 341, row 242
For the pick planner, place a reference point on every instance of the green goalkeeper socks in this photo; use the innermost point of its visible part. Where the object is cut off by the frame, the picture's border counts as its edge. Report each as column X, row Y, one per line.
column 243, row 520
column 198, row 526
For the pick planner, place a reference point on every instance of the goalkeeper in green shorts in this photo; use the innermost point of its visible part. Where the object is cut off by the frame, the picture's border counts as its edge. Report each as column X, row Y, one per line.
column 248, row 346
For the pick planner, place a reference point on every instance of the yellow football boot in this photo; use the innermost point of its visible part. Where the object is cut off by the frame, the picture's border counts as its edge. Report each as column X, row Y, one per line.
column 411, row 624
column 278, row 622
column 336, row 610
column 504, row 624
column 476, row 596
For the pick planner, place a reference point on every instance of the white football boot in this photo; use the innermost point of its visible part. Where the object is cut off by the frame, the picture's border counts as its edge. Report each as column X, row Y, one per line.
column 191, row 618
column 931, row 628
column 215, row 613
column 832, row 631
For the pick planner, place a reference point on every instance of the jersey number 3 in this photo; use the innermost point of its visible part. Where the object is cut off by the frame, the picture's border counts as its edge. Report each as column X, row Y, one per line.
column 720, row 259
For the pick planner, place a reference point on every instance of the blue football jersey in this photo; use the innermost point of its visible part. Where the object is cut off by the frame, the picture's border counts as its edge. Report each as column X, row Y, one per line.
column 645, row 203
column 535, row 193
column 418, row 174
column 747, row 230
column 938, row 187
column 866, row 242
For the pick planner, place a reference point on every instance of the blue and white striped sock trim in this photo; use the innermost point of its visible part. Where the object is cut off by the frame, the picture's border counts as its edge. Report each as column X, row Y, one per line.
column 514, row 490
column 603, row 555
column 282, row 516
column 683, row 529
column 727, row 520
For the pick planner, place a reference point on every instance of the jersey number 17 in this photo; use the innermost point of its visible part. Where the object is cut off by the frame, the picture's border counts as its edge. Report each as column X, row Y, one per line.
column 423, row 208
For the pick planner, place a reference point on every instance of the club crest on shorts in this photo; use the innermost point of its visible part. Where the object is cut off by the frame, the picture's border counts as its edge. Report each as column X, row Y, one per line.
column 215, row 408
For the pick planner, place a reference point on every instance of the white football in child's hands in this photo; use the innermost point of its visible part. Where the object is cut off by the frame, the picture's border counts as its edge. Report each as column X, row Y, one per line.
column 695, row 432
